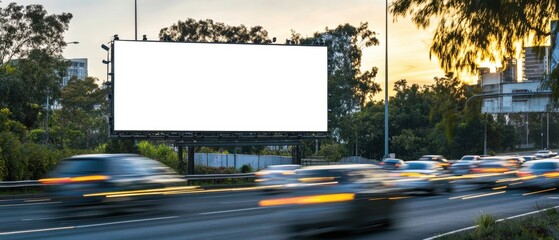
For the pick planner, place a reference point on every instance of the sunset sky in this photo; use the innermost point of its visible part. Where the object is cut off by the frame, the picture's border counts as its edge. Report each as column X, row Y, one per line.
column 95, row 21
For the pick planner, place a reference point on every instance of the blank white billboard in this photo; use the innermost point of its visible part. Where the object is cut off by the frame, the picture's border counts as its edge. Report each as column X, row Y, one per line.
column 171, row 86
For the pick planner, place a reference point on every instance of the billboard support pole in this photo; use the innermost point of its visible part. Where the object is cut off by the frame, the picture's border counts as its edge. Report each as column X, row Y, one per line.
column 181, row 159
column 190, row 168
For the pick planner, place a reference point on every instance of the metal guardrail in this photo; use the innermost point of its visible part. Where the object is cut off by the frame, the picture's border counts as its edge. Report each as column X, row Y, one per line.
column 16, row 184
column 36, row 183
column 219, row 176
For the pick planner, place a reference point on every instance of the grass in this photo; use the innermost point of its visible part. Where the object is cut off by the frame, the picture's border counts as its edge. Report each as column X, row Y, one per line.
column 543, row 225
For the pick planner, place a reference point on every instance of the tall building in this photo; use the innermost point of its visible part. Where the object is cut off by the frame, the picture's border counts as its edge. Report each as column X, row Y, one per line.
column 78, row 68
column 508, row 75
column 536, row 66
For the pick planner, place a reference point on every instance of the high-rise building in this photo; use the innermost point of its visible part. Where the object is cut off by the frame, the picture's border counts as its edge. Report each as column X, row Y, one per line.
column 508, row 75
column 536, row 63
column 78, row 69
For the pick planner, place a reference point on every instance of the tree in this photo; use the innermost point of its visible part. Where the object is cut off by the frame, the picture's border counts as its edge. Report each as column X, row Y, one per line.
column 473, row 30
column 191, row 30
column 81, row 123
column 31, row 63
column 349, row 88
column 24, row 29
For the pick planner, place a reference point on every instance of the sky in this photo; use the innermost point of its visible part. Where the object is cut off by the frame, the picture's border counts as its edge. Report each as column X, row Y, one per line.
column 96, row 21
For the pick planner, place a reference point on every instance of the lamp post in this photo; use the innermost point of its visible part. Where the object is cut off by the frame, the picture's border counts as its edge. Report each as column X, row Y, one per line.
column 386, row 150
column 48, row 104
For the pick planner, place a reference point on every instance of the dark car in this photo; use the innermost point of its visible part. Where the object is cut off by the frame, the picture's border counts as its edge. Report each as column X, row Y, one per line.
column 442, row 162
column 540, row 174
column 392, row 163
column 110, row 182
column 342, row 197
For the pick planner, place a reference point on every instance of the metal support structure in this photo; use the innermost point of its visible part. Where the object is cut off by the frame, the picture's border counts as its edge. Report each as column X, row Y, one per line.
column 190, row 169
column 297, row 154
column 136, row 20
column 547, row 142
column 485, row 137
column 543, row 144
column 527, row 128
column 386, row 150
column 181, row 158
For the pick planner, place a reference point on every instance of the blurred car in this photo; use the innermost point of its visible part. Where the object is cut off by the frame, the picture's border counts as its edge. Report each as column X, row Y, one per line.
column 545, row 153
column 110, row 182
column 494, row 171
column 342, row 197
column 425, row 176
column 465, row 164
column 392, row 163
column 540, row 174
column 277, row 175
column 442, row 162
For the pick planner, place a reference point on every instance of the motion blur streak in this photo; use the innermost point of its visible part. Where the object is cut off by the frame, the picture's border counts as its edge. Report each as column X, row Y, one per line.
column 499, row 188
column 327, row 198
column 73, row 179
column 139, row 192
column 36, row 230
column 397, row 198
column 541, row 191
column 483, row 195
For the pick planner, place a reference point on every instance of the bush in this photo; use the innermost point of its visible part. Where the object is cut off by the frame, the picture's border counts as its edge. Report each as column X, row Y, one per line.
column 484, row 222
column 246, row 168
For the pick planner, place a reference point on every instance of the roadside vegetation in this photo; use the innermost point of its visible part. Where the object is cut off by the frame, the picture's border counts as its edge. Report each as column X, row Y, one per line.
column 543, row 225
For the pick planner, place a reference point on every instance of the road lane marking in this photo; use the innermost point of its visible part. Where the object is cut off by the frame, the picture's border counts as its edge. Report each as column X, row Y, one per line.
column 86, row 226
column 27, row 204
column 541, row 191
column 500, row 220
column 483, row 195
column 36, row 230
column 123, row 222
column 230, row 211
column 37, row 200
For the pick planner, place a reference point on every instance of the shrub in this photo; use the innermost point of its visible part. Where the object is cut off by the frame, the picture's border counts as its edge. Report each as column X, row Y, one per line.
column 246, row 168
column 484, row 222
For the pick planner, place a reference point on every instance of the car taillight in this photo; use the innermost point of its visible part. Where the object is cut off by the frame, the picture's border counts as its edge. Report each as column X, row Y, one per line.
column 523, row 174
column 89, row 178
column 382, row 163
column 396, row 165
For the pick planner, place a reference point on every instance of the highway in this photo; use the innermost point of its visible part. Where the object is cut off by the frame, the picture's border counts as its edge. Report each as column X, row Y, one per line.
column 227, row 214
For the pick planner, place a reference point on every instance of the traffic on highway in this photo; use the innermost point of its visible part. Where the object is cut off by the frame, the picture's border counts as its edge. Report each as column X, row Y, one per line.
column 419, row 200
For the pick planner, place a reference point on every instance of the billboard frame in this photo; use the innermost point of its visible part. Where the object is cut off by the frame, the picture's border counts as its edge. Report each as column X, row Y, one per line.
column 210, row 138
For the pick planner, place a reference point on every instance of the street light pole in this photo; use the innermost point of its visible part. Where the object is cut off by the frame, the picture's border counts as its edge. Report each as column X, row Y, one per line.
column 386, row 150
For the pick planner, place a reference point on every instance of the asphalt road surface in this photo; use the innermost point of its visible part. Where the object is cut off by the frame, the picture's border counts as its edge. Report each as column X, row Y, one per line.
column 230, row 215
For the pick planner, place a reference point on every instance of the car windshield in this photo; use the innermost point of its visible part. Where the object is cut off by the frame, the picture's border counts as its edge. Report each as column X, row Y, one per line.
column 467, row 158
column 80, row 166
column 543, row 151
column 543, row 165
column 417, row 166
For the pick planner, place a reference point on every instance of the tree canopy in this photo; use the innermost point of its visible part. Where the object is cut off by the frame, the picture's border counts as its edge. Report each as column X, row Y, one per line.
column 469, row 31
column 191, row 30
column 27, row 28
